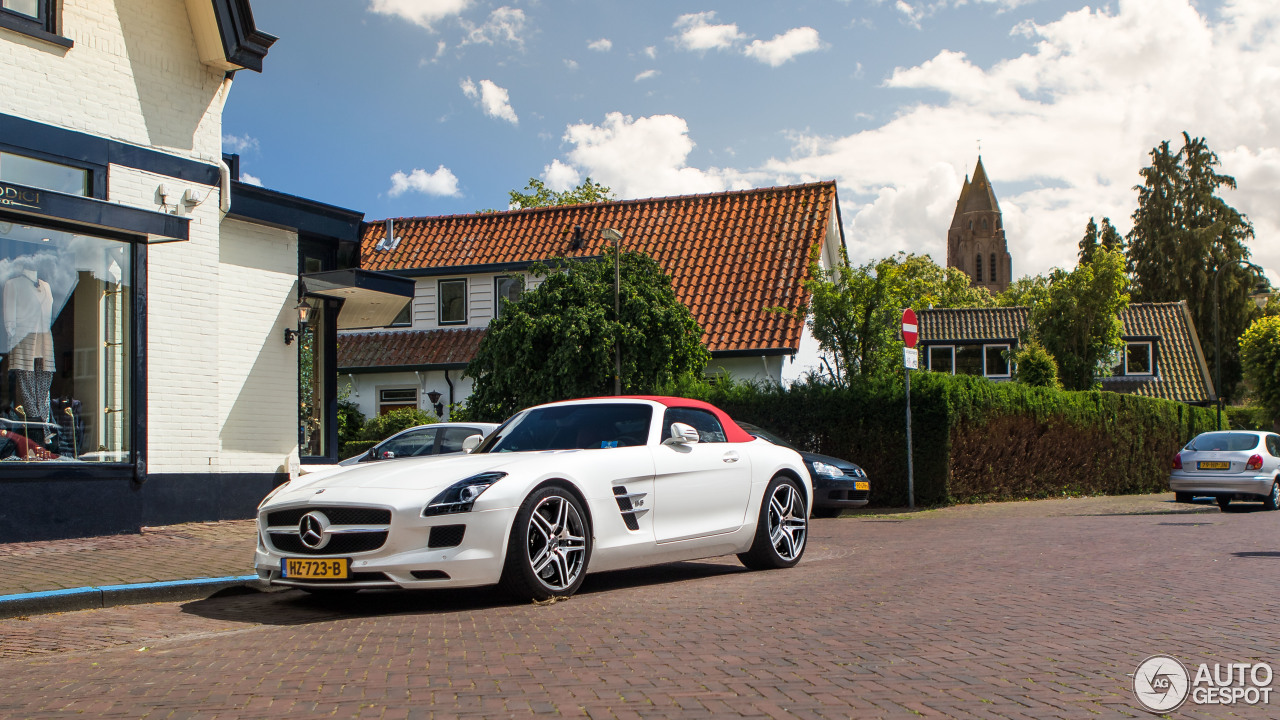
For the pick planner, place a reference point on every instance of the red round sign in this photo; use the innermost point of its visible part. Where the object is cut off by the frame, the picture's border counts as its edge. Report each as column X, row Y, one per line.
column 909, row 334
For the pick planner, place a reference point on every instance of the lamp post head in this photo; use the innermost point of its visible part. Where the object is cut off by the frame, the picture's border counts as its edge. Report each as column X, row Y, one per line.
column 611, row 235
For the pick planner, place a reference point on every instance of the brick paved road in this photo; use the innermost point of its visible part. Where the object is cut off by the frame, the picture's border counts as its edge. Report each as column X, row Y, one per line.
column 1029, row 610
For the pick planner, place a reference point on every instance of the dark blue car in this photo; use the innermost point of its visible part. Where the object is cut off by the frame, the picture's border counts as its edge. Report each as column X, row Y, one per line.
column 837, row 484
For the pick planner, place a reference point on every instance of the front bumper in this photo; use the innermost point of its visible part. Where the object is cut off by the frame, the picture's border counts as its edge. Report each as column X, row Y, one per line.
column 1219, row 485
column 840, row 492
column 405, row 560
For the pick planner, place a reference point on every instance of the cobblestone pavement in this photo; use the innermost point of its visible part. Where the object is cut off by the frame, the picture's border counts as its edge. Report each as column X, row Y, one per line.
column 1022, row 610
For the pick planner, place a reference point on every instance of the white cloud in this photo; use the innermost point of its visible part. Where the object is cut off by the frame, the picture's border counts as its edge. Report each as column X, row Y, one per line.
column 571, row 64
column 784, row 47
column 425, row 13
column 561, row 176
column 495, row 100
column 651, row 52
column 697, row 32
column 505, row 25
column 441, row 183
column 647, row 74
column 248, row 179
column 239, row 143
column 601, row 45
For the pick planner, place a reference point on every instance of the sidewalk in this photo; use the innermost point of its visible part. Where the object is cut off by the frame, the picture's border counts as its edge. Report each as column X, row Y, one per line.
column 175, row 562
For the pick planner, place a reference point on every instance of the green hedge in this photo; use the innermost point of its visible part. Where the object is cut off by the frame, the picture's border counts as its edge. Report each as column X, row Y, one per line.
column 973, row 439
column 356, row 447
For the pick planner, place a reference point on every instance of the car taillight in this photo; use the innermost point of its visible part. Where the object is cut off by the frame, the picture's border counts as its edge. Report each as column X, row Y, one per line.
column 1177, row 461
column 1255, row 463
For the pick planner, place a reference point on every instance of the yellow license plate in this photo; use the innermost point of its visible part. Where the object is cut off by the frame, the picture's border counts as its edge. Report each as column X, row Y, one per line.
column 315, row 569
column 1214, row 465
column 862, row 485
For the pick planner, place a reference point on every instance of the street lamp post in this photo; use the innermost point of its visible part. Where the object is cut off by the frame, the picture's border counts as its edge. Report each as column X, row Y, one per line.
column 616, row 237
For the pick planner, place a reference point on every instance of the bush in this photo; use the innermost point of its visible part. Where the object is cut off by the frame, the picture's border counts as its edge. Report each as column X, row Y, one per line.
column 1034, row 366
column 350, row 422
column 355, row 447
column 972, row 439
column 382, row 427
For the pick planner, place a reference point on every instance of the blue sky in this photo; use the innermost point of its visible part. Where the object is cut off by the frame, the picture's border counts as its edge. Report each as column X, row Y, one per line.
column 429, row 107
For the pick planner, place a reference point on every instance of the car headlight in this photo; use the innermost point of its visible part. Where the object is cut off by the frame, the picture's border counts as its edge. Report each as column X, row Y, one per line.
column 272, row 494
column 460, row 496
column 826, row 470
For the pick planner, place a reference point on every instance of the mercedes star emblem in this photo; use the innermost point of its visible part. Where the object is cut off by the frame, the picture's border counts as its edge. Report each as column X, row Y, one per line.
column 313, row 530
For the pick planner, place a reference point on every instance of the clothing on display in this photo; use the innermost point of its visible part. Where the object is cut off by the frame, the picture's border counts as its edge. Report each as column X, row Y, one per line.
column 28, row 317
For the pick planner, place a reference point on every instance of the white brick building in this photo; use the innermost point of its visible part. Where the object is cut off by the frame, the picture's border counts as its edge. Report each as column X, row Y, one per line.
column 144, row 373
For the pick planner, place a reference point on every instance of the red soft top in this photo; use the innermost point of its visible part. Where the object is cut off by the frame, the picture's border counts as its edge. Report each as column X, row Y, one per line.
column 732, row 432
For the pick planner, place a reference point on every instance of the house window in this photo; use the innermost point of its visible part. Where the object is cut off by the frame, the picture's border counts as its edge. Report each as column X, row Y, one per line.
column 396, row 399
column 452, row 302
column 505, row 288
column 942, row 359
column 977, row 266
column 1138, row 359
column 996, row 364
column 37, row 18
column 29, row 171
column 968, row 360
column 67, row 345
column 405, row 318
column 994, row 274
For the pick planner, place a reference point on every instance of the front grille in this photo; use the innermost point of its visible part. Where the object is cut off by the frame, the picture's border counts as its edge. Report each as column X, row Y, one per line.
column 848, row 494
column 336, row 515
column 446, row 536
column 343, row 544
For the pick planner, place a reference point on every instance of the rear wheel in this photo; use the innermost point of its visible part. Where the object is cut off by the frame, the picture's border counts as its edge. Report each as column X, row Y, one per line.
column 1224, row 502
column 782, row 529
column 1272, row 501
column 1182, row 497
column 549, row 547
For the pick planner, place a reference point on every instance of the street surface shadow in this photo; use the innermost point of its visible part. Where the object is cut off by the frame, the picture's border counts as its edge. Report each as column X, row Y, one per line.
column 1257, row 554
column 296, row 607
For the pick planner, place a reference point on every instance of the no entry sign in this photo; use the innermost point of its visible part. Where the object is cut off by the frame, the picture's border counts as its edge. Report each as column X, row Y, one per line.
column 909, row 334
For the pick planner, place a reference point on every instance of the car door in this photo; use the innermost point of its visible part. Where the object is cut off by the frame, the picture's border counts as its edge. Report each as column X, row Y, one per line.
column 701, row 489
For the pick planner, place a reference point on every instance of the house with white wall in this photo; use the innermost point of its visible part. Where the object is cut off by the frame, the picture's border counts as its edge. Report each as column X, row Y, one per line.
column 738, row 260
column 144, row 373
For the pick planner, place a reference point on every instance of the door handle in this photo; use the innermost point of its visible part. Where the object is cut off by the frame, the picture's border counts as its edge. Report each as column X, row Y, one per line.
column 731, row 457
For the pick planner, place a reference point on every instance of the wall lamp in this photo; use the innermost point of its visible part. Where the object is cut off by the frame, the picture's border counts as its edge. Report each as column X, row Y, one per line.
column 434, row 397
column 304, row 314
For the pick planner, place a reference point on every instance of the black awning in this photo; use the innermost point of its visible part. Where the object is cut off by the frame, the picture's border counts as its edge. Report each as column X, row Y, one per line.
column 370, row 299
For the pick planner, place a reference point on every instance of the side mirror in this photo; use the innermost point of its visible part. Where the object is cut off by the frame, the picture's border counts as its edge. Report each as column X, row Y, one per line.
column 682, row 434
column 471, row 443
column 388, row 455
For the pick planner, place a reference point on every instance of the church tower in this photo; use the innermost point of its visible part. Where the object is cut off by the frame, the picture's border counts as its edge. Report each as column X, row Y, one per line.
column 975, row 242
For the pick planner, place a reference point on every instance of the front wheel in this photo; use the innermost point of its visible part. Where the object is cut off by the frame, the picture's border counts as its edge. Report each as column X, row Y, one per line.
column 549, row 547
column 1272, row 501
column 782, row 529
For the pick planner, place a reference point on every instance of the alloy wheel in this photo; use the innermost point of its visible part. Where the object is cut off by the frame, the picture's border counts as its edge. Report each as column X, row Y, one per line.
column 557, row 545
column 788, row 526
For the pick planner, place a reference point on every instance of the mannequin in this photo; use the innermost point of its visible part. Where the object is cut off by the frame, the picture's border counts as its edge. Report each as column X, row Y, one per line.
column 28, row 311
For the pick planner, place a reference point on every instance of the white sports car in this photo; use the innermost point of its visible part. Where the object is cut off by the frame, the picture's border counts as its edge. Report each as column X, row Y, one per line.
column 558, row 491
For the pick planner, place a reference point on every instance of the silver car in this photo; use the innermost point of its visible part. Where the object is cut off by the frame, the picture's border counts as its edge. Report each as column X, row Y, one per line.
column 1234, row 465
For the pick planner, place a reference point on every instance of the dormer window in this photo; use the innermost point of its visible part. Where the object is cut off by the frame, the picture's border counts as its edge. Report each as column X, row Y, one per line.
column 1139, row 359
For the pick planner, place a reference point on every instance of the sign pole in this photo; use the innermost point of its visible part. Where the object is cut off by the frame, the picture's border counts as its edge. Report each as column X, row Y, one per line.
column 911, row 479
column 910, row 360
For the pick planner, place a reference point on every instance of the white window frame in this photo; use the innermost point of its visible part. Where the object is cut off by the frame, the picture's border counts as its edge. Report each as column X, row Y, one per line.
column 1009, row 365
column 951, row 348
column 1151, row 358
column 411, row 389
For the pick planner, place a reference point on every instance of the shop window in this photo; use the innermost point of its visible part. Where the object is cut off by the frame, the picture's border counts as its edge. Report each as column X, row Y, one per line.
column 942, row 359
column 995, row 362
column 968, row 360
column 312, row 369
column 67, row 365
column 506, row 288
column 29, row 171
column 396, row 399
column 452, row 302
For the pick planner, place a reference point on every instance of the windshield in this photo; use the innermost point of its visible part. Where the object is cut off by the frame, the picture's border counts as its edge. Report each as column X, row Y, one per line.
column 1224, row 441
column 573, row 427
column 764, row 434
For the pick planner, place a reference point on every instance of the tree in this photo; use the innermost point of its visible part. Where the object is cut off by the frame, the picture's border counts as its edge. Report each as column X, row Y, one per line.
column 1026, row 291
column 1078, row 321
column 1183, row 236
column 856, row 311
column 1108, row 237
column 1260, row 353
column 539, row 195
column 1033, row 365
column 557, row 341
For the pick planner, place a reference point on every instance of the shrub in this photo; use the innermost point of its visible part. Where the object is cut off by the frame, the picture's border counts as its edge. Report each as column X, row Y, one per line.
column 1260, row 353
column 1034, row 366
column 355, row 447
column 384, row 426
column 350, row 421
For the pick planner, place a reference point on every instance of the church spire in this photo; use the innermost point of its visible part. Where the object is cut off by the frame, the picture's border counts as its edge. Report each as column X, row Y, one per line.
column 975, row 242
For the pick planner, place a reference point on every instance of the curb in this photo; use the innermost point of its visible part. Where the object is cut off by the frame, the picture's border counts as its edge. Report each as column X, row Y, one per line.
column 89, row 598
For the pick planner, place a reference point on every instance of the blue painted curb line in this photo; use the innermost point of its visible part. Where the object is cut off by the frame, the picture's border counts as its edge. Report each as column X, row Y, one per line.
column 84, row 598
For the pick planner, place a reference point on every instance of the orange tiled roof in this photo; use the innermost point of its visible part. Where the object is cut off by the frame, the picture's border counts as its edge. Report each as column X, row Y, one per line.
column 412, row 348
column 730, row 255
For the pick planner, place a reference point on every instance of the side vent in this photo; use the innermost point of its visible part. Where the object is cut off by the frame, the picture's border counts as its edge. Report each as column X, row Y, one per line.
column 629, row 505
